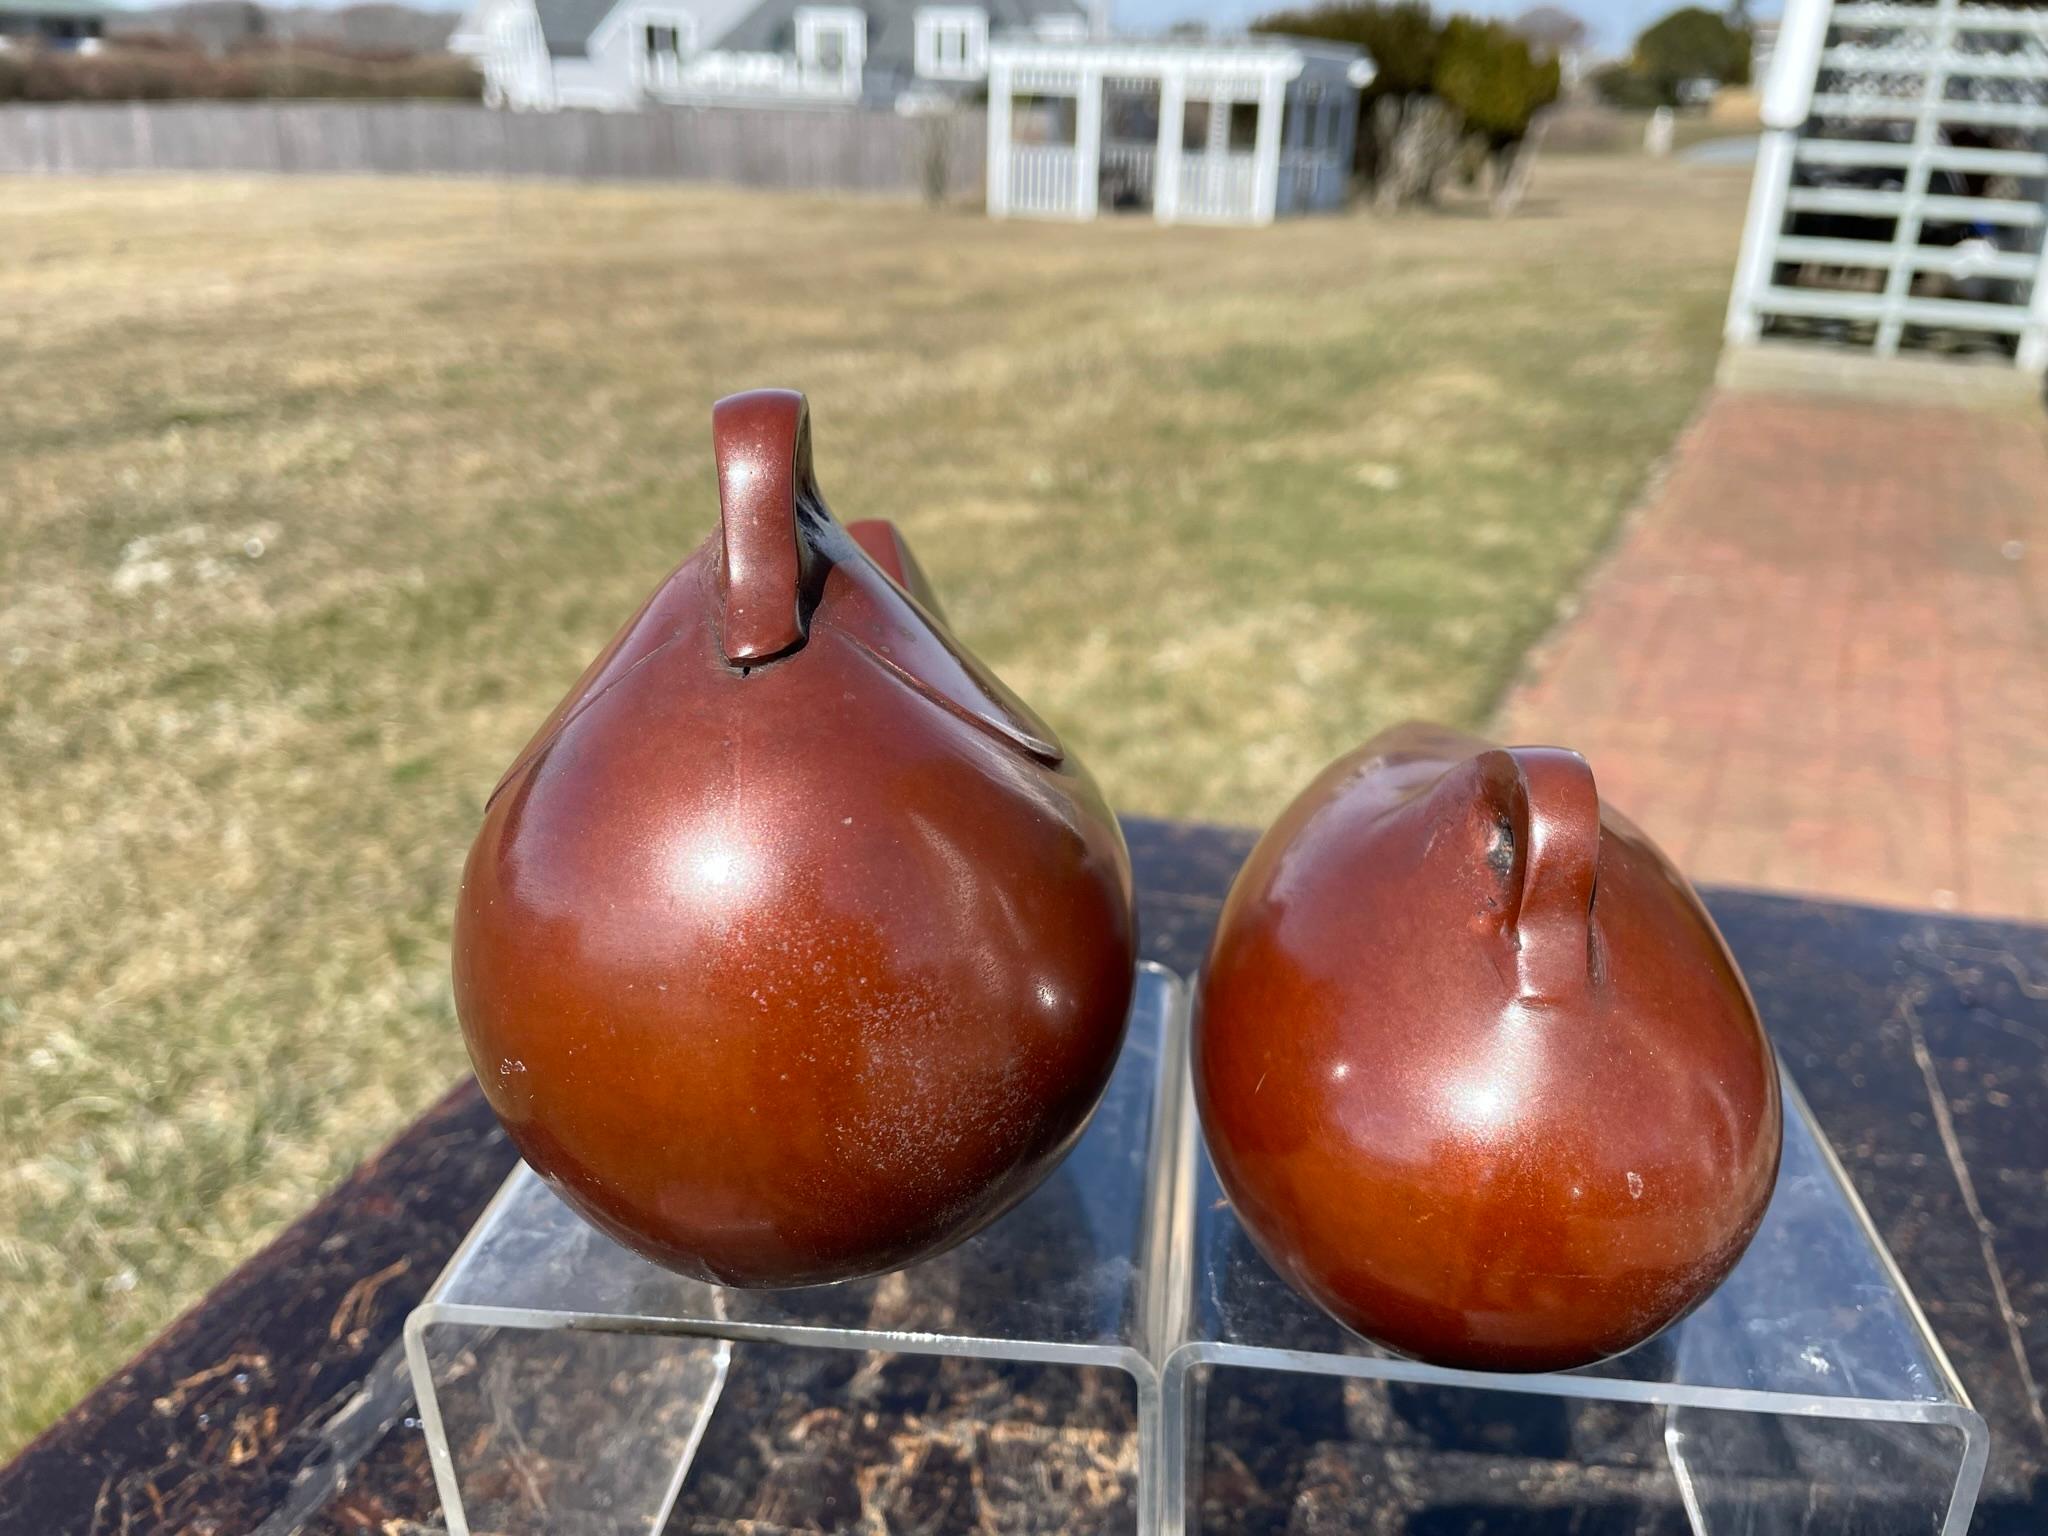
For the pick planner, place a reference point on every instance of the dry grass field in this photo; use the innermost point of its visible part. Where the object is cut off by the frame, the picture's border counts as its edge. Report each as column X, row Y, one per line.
column 314, row 496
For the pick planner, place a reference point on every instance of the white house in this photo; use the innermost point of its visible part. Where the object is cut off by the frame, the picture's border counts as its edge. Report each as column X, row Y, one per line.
column 615, row 55
column 60, row 26
column 1901, row 191
column 1223, row 131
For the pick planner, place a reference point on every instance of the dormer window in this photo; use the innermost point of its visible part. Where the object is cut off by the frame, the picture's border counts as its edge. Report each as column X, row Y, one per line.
column 951, row 42
column 832, row 46
column 666, row 38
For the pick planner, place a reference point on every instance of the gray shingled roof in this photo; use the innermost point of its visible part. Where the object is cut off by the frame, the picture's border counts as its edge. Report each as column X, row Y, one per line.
column 567, row 24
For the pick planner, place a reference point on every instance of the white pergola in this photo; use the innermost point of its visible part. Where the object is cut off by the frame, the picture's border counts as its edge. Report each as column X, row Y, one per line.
column 1236, row 132
column 1901, row 193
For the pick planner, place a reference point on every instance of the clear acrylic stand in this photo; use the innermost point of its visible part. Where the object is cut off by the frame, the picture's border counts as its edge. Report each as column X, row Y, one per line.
column 1806, row 1395
column 564, row 1382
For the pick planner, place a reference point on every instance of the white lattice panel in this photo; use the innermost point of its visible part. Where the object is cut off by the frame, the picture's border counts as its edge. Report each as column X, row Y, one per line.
column 1902, row 196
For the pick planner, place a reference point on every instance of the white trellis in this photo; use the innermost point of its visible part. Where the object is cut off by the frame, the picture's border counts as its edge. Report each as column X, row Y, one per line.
column 1238, row 132
column 1901, row 193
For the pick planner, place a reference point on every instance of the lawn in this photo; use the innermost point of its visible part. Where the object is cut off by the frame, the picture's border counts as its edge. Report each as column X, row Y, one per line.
column 314, row 497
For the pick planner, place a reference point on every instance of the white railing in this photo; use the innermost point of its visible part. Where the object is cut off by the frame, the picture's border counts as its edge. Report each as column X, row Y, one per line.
column 1217, row 186
column 1044, row 179
column 1967, row 18
column 1880, row 239
column 756, row 77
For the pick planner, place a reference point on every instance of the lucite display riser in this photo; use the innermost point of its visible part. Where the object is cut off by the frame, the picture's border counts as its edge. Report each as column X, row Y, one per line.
column 1073, row 1276
column 1806, row 1395
column 566, row 1383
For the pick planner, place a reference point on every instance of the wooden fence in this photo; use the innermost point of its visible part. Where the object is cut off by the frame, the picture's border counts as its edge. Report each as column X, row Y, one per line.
column 839, row 151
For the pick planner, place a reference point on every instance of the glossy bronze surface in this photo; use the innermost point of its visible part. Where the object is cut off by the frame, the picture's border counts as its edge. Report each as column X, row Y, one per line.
column 1474, row 1066
column 793, row 947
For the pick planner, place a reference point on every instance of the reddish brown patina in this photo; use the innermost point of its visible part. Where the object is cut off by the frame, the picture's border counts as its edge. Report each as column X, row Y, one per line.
column 1475, row 1068
column 793, row 947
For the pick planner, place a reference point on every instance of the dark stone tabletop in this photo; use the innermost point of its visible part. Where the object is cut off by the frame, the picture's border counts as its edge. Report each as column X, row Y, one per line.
column 280, row 1403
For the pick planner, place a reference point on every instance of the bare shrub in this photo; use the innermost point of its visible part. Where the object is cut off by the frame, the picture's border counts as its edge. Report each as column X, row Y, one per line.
column 1421, row 137
column 154, row 71
column 935, row 156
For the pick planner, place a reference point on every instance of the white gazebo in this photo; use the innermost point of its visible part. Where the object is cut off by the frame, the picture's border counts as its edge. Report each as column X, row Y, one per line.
column 1224, row 132
column 1901, row 194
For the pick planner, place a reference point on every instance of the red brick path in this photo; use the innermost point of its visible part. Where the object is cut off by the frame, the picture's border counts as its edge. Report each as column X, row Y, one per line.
column 1819, row 660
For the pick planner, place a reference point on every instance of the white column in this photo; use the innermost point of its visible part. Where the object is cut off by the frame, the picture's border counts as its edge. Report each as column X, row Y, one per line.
column 1088, row 142
column 1787, row 86
column 1216, row 153
column 1787, row 98
column 1266, row 148
column 1760, row 233
column 1173, row 105
column 1295, row 137
column 999, row 99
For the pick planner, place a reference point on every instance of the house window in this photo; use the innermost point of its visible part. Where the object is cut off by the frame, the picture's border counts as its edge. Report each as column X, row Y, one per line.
column 666, row 39
column 951, row 42
column 1244, row 126
column 832, row 46
column 1053, row 121
column 1236, row 122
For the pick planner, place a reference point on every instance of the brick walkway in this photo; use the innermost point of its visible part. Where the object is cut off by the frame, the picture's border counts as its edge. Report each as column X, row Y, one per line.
column 1819, row 660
